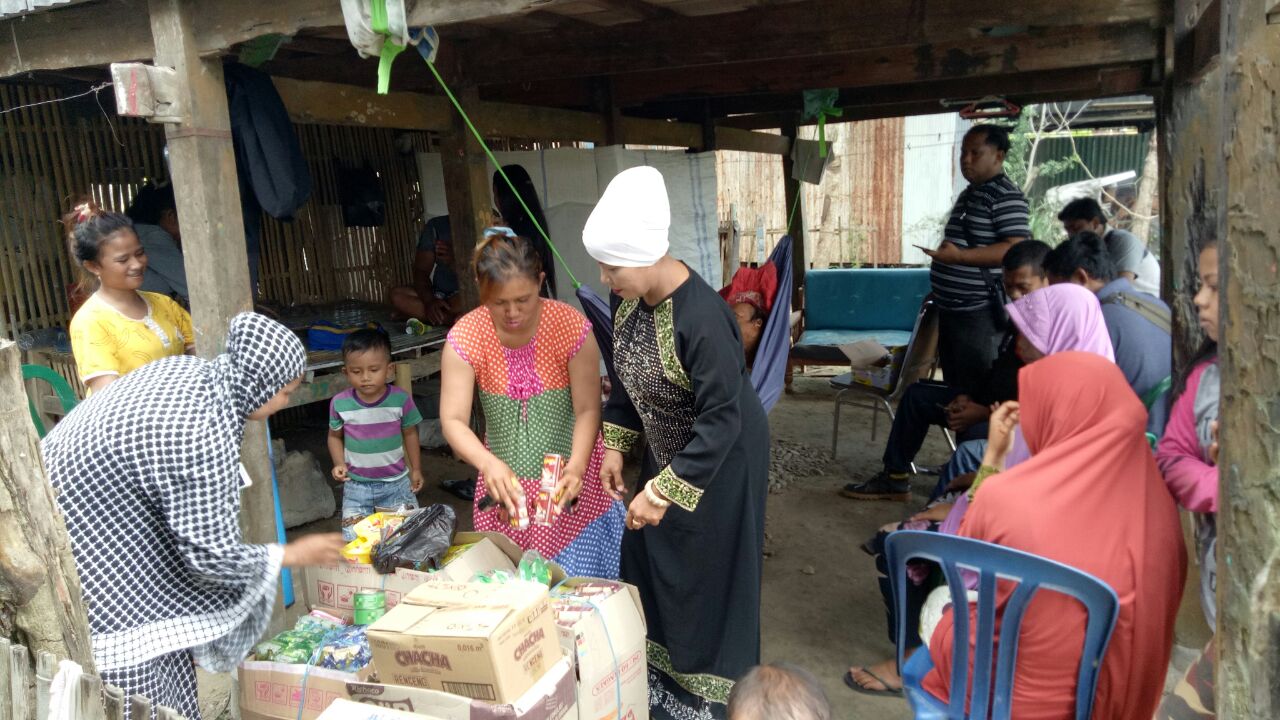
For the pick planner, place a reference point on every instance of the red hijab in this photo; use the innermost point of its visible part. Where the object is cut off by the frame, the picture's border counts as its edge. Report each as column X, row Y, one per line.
column 1090, row 497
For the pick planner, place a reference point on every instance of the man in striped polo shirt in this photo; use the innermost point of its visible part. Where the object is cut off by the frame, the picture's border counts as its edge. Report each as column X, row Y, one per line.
column 988, row 217
column 373, row 435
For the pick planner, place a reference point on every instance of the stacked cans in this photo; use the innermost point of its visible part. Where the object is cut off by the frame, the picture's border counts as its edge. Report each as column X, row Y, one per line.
column 369, row 606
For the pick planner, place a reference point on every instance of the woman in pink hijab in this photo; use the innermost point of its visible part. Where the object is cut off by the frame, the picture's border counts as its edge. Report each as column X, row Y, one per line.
column 1059, row 318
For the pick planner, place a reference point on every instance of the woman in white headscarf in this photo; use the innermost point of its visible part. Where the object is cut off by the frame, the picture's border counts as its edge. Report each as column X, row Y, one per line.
column 697, row 519
column 149, row 478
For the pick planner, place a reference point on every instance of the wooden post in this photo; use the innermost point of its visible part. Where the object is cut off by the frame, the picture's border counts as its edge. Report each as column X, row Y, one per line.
column 202, row 163
column 1249, row 507
column 38, row 579
column 795, row 226
column 1192, row 192
column 469, row 195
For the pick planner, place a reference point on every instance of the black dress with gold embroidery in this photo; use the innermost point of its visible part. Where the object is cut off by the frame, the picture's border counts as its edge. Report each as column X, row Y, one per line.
column 684, row 386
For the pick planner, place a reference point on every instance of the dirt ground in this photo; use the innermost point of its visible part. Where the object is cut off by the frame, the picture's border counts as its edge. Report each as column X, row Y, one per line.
column 822, row 608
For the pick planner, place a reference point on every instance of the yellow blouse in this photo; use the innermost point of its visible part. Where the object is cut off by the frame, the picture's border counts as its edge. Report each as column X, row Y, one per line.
column 105, row 341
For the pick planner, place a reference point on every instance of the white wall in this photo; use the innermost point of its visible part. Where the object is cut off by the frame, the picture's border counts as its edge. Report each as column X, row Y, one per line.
column 931, row 179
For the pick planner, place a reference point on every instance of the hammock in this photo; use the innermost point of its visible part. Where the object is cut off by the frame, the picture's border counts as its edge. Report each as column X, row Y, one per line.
column 768, row 375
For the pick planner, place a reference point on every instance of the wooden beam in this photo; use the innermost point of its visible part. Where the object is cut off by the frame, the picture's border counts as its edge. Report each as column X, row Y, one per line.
column 642, row 9
column 1199, row 46
column 793, row 194
column 795, row 30
column 1248, row 518
column 203, row 166
column 119, row 30
column 924, row 98
column 468, row 194
column 1052, row 50
column 557, row 23
column 334, row 104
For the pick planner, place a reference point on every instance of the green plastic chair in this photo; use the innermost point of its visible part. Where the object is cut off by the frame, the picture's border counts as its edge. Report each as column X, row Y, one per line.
column 61, row 388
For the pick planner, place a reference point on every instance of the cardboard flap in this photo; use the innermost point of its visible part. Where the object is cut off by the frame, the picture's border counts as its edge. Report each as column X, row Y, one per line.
column 513, row 595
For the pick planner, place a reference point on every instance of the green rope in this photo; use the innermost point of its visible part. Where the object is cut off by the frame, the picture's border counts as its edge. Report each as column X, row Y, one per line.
column 532, row 218
column 795, row 204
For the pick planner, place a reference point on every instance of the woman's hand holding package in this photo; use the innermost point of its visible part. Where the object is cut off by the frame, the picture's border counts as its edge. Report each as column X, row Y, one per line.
column 569, row 486
column 503, row 485
column 611, row 474
column 1004, row 419
column 312, row 550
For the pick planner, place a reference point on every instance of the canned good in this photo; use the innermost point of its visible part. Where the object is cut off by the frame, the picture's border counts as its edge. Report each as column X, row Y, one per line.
column 546, row 509
column 363, row 616
column 370, row 600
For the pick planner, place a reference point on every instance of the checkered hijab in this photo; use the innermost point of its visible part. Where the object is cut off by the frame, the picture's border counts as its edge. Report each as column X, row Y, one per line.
column 148, row 475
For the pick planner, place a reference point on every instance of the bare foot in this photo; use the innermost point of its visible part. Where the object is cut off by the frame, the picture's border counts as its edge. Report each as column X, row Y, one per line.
column 881, row 676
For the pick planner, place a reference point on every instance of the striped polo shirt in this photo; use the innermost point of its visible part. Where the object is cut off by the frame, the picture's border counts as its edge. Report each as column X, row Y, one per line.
column 371, row 433
column 983, row 215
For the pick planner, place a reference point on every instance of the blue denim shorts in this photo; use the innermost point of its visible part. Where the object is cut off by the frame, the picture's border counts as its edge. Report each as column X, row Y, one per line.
column 360, row 498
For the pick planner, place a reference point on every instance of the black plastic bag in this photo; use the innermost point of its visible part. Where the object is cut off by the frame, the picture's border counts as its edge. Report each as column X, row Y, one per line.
column 419, row 543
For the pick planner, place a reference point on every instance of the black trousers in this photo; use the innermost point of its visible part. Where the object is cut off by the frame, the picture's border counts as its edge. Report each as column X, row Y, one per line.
column 968, row 343
column 919, row 408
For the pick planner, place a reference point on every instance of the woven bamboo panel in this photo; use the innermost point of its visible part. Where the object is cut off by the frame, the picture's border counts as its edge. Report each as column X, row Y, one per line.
column 51, row 152
column 46, row 158
column 316, row 258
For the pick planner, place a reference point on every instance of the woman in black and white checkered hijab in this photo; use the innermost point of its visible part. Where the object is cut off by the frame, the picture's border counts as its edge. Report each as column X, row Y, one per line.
column 149, row 478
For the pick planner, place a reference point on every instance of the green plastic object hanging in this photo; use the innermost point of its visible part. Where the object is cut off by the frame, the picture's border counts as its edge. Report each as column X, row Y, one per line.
column 390, row 49
column 819, row 105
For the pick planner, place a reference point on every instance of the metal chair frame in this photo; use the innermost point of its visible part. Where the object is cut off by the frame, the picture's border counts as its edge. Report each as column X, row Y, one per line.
column 919, row 361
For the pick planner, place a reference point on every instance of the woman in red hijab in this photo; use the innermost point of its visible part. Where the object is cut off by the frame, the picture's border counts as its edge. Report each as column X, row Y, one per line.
column 1090, row 497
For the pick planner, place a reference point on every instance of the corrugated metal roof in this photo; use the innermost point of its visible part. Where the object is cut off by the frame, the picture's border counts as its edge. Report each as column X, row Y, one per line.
column 14, row 8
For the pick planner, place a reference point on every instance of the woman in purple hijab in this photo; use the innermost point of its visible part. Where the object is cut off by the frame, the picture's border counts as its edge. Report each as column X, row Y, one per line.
column 1059, row 318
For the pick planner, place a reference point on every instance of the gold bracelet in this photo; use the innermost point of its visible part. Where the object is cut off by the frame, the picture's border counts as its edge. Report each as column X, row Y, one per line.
column 653, row 496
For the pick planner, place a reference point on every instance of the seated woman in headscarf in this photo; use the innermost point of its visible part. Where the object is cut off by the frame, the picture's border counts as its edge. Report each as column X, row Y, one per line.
column 1090, row 496
column 522, row 212
column 1055, row 319
column 149, row 481
column 751, row 295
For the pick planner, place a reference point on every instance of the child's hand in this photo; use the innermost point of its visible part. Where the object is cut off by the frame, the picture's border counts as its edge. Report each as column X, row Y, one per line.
column 415, row 480
column 340, row 472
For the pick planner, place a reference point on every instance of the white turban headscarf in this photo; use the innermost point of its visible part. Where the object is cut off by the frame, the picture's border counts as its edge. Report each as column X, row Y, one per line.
column 628, row 227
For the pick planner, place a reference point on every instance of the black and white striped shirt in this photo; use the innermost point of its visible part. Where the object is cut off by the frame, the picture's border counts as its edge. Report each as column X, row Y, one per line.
column 983, row 215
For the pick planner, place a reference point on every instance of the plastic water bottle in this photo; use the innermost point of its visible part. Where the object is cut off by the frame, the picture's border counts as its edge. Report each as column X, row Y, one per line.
column 415, row 327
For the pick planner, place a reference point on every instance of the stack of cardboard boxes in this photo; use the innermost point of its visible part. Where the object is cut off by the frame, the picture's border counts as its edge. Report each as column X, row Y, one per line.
column 455, row 650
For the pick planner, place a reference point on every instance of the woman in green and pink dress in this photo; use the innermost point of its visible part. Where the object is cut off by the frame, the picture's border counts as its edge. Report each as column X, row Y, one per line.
column 537, row 369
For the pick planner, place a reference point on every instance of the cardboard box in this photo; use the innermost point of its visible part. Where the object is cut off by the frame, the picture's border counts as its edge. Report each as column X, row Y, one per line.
column 272, row 691
column 551, row 698
column 347, row 710
column 333, row 587
column 610, row 655
column 486, row 642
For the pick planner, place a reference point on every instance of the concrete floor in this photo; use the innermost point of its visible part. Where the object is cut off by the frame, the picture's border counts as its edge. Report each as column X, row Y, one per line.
column 822, row 608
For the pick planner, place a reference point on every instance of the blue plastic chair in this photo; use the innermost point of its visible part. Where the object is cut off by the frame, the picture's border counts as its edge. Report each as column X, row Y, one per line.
column 991, row 562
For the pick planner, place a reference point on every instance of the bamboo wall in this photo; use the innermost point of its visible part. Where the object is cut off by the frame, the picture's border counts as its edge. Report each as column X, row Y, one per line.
column 52, row 152
column 853, row 216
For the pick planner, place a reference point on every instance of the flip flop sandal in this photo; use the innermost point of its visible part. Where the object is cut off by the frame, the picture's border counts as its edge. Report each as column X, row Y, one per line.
column 463, row 489
column 854, row 686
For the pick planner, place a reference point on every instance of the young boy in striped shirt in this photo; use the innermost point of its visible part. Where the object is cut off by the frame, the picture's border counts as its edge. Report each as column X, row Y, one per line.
column 373, row 434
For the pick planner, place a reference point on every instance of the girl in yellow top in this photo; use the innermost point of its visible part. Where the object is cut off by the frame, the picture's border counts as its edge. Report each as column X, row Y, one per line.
column 119, row 328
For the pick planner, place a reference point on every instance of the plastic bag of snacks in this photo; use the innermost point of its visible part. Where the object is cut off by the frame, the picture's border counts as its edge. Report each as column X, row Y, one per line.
column 296, row 646
column 348, row 651
column 493, row 577
column 534, row 567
